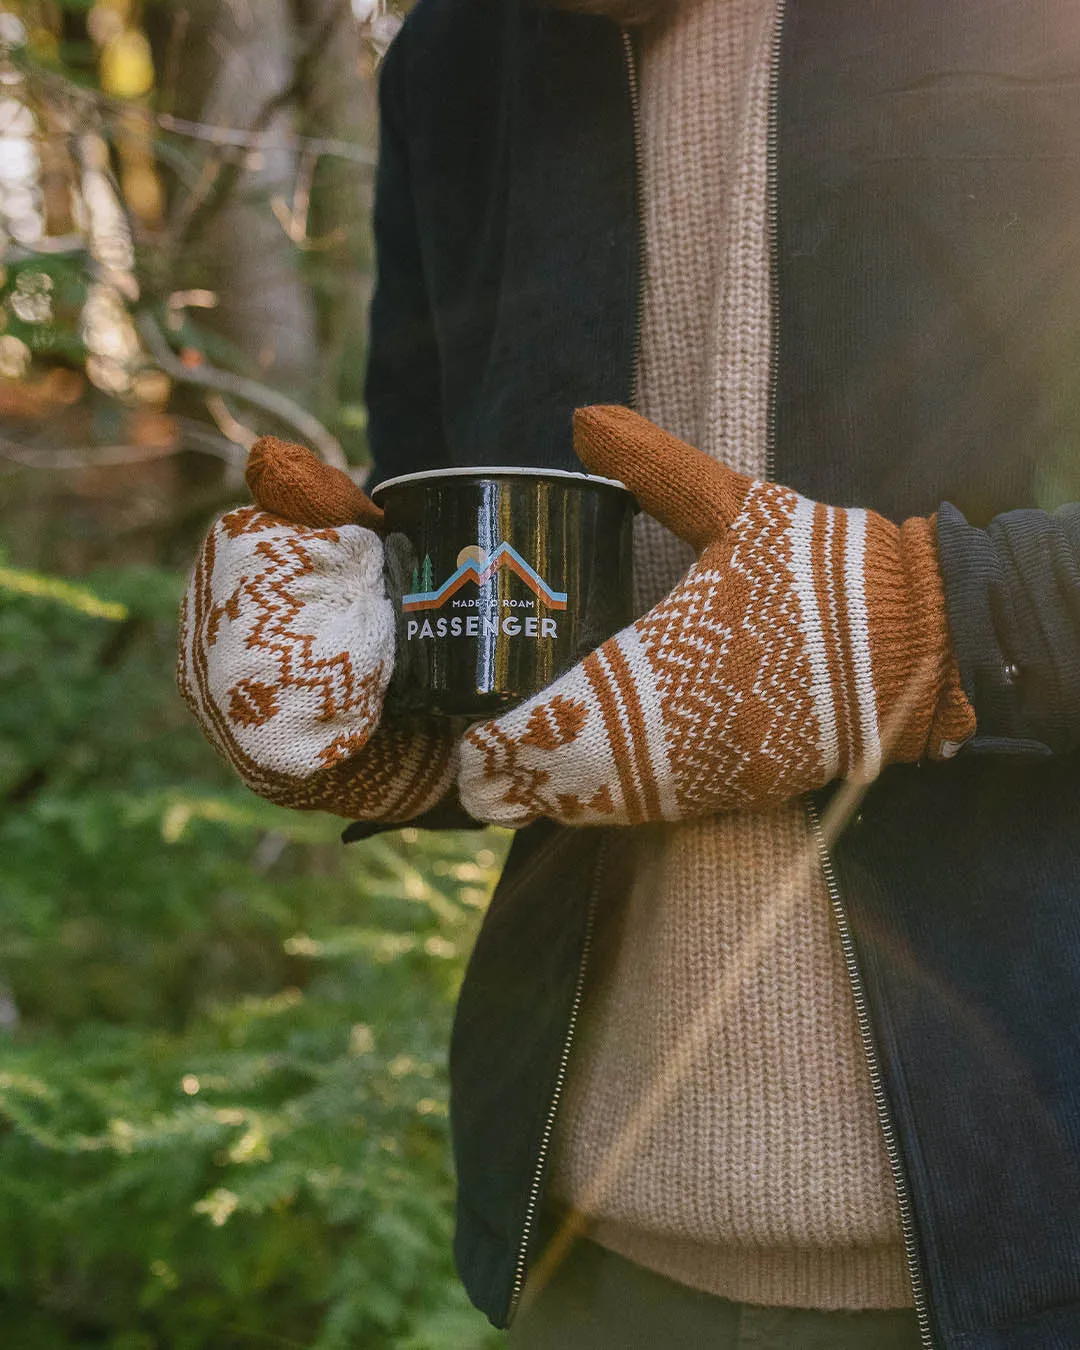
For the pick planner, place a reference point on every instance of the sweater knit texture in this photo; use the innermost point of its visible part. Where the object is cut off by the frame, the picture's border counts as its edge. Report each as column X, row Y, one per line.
column 718, row 1124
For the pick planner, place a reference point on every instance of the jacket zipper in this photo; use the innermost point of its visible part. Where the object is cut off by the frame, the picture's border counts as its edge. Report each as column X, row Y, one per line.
column 639, row 190
column 521, row 1265
column 888, row 1129
column 840, row 914
column 772, row 208
column 858, row 992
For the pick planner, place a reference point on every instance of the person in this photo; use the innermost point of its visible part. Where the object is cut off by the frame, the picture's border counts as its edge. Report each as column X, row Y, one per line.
column 769, row 1035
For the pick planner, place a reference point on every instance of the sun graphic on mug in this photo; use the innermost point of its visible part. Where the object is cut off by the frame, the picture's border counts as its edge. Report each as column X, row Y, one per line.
column 472, row 553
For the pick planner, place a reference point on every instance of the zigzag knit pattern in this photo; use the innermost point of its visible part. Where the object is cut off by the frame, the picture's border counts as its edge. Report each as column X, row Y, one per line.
column 808, row 642
column 286, row 650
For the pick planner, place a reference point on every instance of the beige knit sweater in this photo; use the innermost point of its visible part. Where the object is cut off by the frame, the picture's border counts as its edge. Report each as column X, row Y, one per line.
column 718, row 1124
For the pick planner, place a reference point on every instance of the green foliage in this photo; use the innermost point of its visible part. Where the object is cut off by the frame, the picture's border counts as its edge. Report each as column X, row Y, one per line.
column 223, row 1098
column 42, row 300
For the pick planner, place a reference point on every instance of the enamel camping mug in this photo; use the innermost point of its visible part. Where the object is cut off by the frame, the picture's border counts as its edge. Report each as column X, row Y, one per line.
column 501, row 579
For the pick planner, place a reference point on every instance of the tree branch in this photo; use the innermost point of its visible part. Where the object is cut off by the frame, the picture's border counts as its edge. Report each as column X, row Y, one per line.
column 224, row 172
column 194, row 437
column 229, row 138
column 307, row 426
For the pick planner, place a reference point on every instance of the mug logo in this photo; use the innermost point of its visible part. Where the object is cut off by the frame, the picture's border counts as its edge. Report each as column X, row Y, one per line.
column 475, row 565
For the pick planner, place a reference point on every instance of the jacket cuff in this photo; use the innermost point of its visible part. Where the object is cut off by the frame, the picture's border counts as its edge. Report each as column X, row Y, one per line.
column 448, row 814
column 1008, row 667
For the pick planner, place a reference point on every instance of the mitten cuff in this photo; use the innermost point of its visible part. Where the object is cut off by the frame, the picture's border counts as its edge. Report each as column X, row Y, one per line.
column 953, row 723
column 922, row 708
column 404, row 771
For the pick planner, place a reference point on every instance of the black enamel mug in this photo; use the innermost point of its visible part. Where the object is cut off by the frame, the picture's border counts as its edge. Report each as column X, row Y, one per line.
column 501, row 579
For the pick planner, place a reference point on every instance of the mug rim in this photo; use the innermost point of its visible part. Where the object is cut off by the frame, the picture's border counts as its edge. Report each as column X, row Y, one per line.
column 501, row 471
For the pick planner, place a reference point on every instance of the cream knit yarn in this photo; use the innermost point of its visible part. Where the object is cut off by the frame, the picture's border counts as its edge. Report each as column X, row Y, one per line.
column 287, row 646
column 718, row 1123
column 287, row 641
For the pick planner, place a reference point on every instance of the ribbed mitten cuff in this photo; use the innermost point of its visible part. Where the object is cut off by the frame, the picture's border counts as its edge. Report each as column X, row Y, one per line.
column 922, row 708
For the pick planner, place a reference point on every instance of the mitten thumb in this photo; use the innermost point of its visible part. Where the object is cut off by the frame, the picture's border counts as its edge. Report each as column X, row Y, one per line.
column 290, row 481
column 691, row 494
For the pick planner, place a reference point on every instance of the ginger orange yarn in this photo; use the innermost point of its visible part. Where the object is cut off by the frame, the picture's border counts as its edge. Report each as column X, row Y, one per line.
column 290, row 481
column 807, row 643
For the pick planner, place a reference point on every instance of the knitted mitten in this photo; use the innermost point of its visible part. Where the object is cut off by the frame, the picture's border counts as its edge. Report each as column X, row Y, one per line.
column 806, row 643
column 287, row 646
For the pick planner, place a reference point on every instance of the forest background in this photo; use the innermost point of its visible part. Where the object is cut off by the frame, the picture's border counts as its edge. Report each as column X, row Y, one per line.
column 223, row 1103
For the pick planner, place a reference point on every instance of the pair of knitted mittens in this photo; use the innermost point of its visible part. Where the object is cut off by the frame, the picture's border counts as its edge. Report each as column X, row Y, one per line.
column 287, row 647
column 806, row 643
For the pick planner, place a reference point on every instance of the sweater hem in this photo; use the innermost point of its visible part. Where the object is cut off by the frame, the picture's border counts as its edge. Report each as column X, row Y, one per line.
column 856, row 1278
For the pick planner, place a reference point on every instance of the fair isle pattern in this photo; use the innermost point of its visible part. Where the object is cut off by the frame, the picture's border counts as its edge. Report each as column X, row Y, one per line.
column 295, row 637
column 269, row 600
column 732, row 670
column 555, row 722
column 828, row 560
column 751, row 683
column 286, row 643
column 622, row 680
column 594, row 717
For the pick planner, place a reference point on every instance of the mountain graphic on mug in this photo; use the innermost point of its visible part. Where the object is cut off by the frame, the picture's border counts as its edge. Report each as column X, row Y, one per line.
column 477, row 566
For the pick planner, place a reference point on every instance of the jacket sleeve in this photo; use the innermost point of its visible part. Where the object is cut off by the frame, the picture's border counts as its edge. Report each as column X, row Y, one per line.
column 405, row 430
column 402, row 390
column 1013, row 596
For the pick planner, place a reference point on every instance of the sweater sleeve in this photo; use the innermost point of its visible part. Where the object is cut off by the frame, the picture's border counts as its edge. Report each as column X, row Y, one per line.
column 1013, row 596
column 403, row 380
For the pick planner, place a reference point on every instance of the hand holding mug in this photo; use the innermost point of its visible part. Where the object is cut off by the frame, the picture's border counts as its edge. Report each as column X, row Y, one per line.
column 287, row 649
column 807, row 643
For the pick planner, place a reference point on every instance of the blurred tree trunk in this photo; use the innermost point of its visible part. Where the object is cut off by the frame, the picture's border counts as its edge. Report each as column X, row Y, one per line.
column 279, row 236
column 238, row 59
column 338, row 100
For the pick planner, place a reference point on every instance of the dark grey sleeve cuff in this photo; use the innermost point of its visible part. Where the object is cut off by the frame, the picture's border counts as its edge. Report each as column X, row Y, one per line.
column 1013, row 597
column 449, row 814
